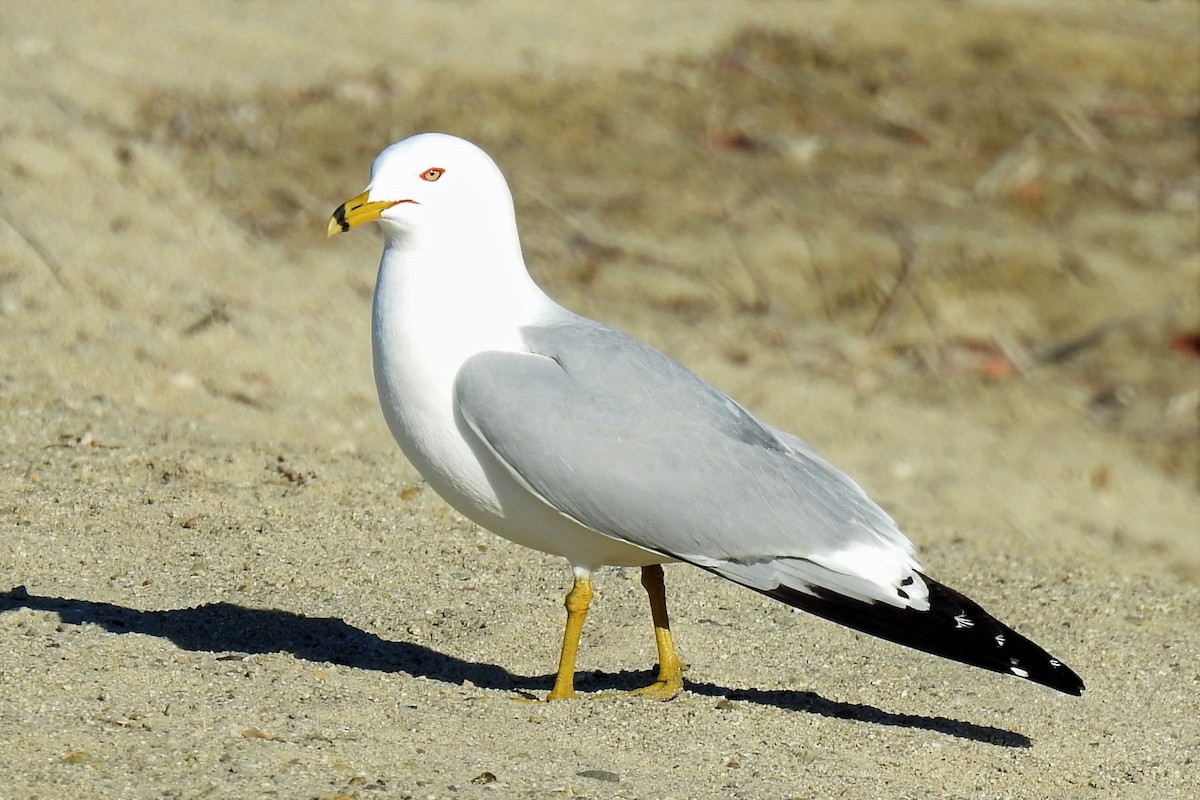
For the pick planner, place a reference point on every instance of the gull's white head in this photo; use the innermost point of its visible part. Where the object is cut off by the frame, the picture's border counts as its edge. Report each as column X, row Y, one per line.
column 431, row 180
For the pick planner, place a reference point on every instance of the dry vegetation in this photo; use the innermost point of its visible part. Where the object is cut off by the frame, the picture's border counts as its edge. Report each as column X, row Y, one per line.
column 1007, row 208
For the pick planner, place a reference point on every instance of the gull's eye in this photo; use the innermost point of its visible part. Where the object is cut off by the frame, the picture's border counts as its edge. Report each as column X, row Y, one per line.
column 432, row 174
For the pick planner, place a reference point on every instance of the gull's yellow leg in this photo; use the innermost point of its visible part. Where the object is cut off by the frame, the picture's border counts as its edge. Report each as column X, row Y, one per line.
column 670, row 668
column 578, row 600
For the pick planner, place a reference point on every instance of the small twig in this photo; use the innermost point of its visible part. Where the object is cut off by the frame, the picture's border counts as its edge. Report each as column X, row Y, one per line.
column 1019, row 165
column 85, row 439
column 52, row 264
column 908, row 255
column 761, row 302
column 1065, row 351
column 217, row 314
column 818, row 277
column 1078, row 124
column 814, row 258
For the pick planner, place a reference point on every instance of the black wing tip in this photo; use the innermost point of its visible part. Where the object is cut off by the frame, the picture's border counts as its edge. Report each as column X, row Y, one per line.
column 954, row 627
column 1067, row 683
column 1043, row 668
column 998, row 647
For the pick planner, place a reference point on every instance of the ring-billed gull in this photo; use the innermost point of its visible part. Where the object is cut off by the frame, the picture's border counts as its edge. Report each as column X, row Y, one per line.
column 563, row 435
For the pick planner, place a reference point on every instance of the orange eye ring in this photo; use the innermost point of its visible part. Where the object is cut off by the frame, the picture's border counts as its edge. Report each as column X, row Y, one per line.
column 432, row 174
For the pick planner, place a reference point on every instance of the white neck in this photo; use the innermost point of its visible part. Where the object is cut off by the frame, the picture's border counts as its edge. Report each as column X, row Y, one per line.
column 453, row 295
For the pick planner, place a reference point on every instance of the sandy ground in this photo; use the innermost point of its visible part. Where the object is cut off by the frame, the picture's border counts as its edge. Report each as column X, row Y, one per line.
column 954, row 245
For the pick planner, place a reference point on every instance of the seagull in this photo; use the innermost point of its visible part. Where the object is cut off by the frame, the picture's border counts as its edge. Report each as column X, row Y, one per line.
column 566, row 436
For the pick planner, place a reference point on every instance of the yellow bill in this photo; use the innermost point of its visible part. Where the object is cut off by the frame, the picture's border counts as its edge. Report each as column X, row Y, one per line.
column 355, row 212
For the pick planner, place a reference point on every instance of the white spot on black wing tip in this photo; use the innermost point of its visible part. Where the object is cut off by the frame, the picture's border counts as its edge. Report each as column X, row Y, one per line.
column 1000, row 640
column 1020, row 673
column 1054, row 662
column 963, row 621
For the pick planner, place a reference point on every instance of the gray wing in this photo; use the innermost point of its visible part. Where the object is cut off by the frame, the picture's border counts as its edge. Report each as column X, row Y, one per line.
column 629, row 443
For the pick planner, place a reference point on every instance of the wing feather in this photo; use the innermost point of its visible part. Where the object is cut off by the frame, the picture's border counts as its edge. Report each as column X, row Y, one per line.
column 624, row 440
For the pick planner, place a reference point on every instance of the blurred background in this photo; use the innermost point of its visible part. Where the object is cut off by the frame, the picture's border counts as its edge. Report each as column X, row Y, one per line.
column 985, row 206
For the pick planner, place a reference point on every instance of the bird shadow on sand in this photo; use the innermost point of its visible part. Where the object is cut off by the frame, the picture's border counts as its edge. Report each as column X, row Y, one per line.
column 229, row 628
